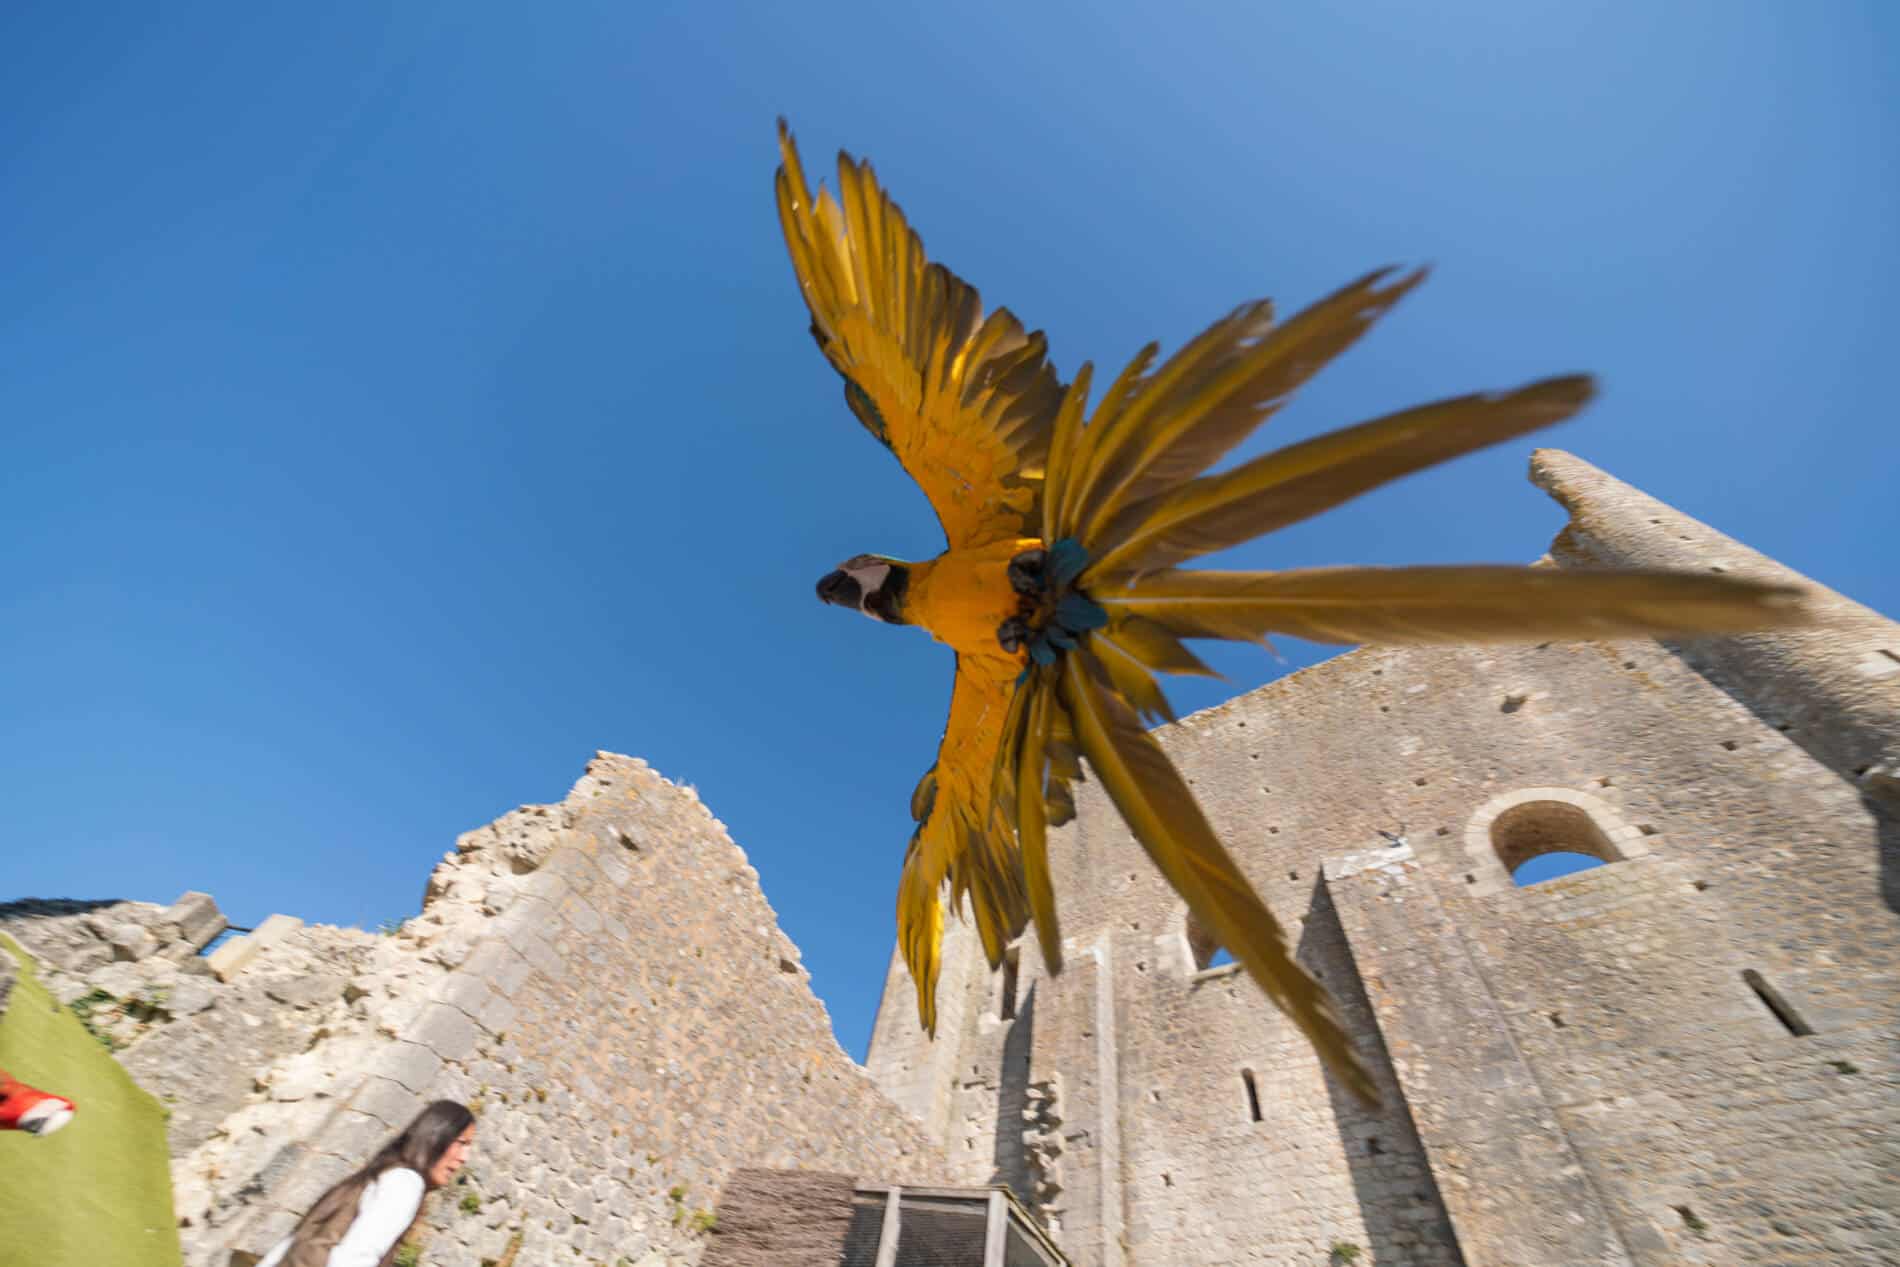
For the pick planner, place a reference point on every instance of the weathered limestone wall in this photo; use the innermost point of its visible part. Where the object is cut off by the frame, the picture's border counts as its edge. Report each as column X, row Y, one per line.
column 601, row 980
column 1576, row 1072
column 201, row 1045
column 1835, row 690
column 633, row 1025
column 1161, row 1155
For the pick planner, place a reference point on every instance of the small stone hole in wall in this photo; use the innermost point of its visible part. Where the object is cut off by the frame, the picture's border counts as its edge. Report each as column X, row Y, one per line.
column 1629, row 664
column 1700, row 885
column 1442, row 831
column 1772, row 1000
column 1155, row 1095
column 1385, row 708
column 1273, row 831
column 1512, row 703
column 1730, row 745
column 1648, row 829
column 1784, row 727
column 1689, row 1217
column 1373, row 1147
column 1241, row 724
column 1167, row 1180
column 1860, row 771
column 1253, row 1094
column 1419, row 782
column 1557, row 1019
column 1717, row 567
column 1292, row 875
column 1470, row 878
column 1141, row 965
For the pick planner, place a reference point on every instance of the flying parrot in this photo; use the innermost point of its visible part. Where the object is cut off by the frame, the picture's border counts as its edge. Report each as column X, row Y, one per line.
column 1061, row 591
column 24, row 1108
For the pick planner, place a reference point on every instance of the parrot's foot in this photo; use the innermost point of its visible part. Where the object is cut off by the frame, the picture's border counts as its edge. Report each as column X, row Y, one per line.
column 1053, row 615
column 1026, row 573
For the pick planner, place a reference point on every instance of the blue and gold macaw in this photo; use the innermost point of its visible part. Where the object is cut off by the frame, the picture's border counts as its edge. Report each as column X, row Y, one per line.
column 1060, row 590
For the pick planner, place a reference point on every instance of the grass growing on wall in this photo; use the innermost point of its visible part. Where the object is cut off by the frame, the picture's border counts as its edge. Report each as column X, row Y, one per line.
column 100, row 1190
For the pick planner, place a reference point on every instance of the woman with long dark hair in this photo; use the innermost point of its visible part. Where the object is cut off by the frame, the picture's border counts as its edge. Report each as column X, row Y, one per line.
column 361, row 1221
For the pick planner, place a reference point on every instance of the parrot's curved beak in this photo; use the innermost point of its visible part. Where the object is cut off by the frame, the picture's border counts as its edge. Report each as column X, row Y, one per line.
column 47, row 1116
column 840, row 589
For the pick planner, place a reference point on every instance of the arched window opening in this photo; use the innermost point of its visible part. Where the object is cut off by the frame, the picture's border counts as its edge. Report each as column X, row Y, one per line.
column 1541, row 840
column 1253, row 1094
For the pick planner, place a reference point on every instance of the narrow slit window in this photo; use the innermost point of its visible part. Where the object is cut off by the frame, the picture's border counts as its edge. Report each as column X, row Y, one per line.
column 1006, row 1006
column 1772, row 1000
column 1253, row 1094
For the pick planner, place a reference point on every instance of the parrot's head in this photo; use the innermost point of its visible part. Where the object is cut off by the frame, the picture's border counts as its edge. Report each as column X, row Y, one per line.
column 870, row 583
column 24, row 1108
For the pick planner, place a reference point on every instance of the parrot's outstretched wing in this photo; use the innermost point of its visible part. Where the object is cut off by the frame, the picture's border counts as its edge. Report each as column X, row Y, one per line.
column 964, row 401
column 1121, row 498
column 962, row 834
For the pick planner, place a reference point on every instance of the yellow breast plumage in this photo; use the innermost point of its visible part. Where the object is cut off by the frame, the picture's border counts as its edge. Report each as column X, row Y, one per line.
column 962, row 596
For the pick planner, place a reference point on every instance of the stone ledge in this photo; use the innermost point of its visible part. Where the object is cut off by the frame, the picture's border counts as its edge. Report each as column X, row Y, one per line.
column 235, row 955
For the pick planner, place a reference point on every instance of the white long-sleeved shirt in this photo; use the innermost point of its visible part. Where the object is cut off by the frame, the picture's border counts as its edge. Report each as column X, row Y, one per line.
column 387, row 1207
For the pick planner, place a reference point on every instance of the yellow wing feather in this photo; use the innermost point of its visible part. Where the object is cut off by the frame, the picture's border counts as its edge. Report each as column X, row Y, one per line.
column 961, row 837
column 972, row 410
column 965, row 402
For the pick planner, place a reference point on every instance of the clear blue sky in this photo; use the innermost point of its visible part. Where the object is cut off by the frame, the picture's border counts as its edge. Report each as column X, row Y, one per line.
column 402, row 402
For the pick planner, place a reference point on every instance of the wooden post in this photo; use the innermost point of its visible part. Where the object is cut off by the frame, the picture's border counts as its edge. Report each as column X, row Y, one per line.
column 997, row 1231
column 887, row 1235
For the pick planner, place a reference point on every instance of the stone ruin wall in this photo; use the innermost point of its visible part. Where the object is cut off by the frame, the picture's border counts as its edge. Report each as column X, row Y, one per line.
column 602, row 980
column 1576, row 1072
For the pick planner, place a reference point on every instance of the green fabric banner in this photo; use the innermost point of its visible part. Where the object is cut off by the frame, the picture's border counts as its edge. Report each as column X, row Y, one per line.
column 97, row 1193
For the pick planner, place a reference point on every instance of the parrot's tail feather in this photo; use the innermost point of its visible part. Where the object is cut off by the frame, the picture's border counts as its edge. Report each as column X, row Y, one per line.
column 1212, row 394
column 1471, row 605
column 1297, row 482
column 1163, row 815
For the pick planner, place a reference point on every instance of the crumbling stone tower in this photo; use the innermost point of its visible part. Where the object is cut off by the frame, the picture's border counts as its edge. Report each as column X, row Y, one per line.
column 1690, row 1054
